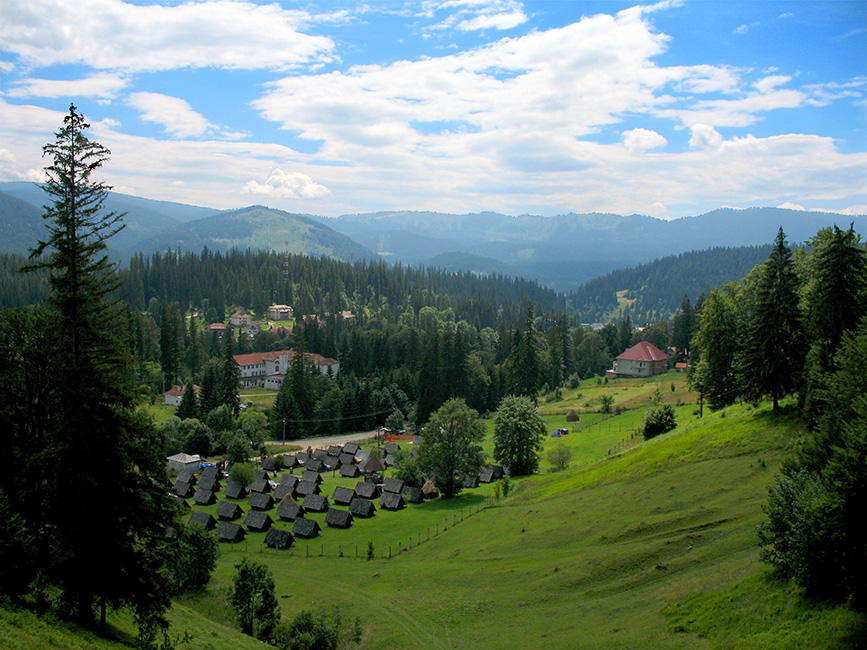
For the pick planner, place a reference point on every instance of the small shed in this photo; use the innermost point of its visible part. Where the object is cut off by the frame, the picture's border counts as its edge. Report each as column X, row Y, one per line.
column 289, row 461
column 229, row 532
column 471, row 482
column 310, row 475
column 346, row 459
column 342, row 495
column 305, row 488
column 350, row 471
column 204, row 497
column 392, row 485
column 486, row 475
column 499, row 472
column 314, row 465
column 289, row 509
column 315, row 503
column 301, row 458
column 203, row 519
column 261, row 501
column 305, row 528
column 283, row 491
column 279, row 539
column 335, row 450
column 258, row 521
column 180, row 462
column 373, row 465
column 391, row 448
column 391, row 501
column 261, row 473
column 211, row 471
column 362, row 508
column 412, row 494
column 288, row 479
column 180, row 501
column 390, row 460
column 229, row 511
column 362, row 455
column 338, row 518
column 234, row 490
column 187, row 476
column 261, row 485
column 319, row 454
column 367, row 490
column 331, row 463
column 268, row 464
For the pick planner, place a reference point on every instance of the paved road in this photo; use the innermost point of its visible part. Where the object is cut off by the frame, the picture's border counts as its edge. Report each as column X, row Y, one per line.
column 325, row 443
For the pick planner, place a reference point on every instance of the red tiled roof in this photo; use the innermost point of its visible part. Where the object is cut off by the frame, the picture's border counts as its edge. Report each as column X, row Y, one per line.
column 644, row 351
column 216, row 326
column 261, row 357
column 178, row 391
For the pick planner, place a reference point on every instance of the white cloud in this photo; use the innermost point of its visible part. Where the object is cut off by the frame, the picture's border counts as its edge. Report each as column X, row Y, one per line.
column 476, row 15
column 643, row 139
column 742, row 29
column 287, row 185
column 112, row 34
column 791, row 206
column 176, row 115
column 493, row 21
column 704, row 137
column 101, row 85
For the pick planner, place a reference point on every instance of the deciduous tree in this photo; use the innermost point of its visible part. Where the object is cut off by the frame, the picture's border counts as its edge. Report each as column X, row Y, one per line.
column 518, row 434
column 452, row 446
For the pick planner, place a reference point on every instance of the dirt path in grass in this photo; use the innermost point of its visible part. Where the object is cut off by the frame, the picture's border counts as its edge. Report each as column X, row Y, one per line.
column 324, row 443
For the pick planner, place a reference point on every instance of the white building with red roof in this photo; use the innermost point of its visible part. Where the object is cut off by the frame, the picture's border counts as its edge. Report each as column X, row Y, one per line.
column 239, row 319
column 641, row 360
column 175, row 394
column 267, row 369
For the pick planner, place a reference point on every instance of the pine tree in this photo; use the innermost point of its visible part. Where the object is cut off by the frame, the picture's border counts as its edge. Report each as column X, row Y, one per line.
column 103, row 501
column 715, row 345
column 189, row 407
column 773, row 354
column 230, row 374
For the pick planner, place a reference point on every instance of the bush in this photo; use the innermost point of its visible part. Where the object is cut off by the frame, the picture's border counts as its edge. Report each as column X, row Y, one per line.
column 242, row 473
column 560, row 457
column 197, row 555
column 238, row 450
column 322, row 630
column 659, row 420
column 254, row 599
column 606, row 402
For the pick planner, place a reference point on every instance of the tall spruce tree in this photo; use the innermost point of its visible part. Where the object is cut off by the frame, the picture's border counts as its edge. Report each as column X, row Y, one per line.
column 103, row 501
column 714, row 347
column 773, row 355
column 230, row 374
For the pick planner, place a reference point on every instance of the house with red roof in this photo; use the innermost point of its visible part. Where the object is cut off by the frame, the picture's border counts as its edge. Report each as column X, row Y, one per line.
column 267, row 369
column 239, row 319
column 641, row 360
column 175, row 394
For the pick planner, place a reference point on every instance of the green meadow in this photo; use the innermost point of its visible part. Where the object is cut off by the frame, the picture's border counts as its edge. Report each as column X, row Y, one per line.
column 638, row 544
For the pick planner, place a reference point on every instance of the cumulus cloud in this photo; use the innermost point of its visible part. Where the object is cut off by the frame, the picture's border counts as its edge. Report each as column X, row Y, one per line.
column 103, row 85
column 176, row 115
column 643, row 140
column 476, row 15
column 287, row 185
column 704, row 137
column 112, row 34
column 791, row 206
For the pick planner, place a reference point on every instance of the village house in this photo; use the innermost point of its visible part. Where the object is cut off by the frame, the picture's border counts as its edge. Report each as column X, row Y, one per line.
column 239, row 319
column 216, row 328
column 267, row 369
column 175, row 394
column 641, row 360
column 279, row 312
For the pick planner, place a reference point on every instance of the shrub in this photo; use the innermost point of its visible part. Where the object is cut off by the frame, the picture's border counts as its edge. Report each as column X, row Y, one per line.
column 322, row 630
column 242, row 473
column 560, row 457
column 606, row 402
column 659, row 420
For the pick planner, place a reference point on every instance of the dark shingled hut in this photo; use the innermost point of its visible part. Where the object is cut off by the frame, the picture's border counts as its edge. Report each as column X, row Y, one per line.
column 183, row 489
column 498, row 471
column 187, row 476
column 211, row 471
column 367, row 490
column 261, row 501
column 229, row 532
column 280, row 539
column 350, row 471
column 260, row 473
column 260, row 485
column 268, row 464
column 392, row 485
column 338, row 518
column 305, row 527
column 289, row 461
column 202, row 519
column 234, row 490
column 390, row 460
column 412, row 494
column 346, row 459
column 289, row 509
column 331, row 463
column 342, row 495
column 310, row 475
column 204, row 497
column 471, row 482
column 335, row 450
column 350, row 448
column 362, row 508
column 391, row 501
column 229, row 511
column 314, row 465
column 258, row 521
column 315, row 503
column 302, row 457
column 211, row 484
column 288, row 479
column 283, row 491
column 180, row 501
column 305, row 488
column 486, row 475
column 319, row 454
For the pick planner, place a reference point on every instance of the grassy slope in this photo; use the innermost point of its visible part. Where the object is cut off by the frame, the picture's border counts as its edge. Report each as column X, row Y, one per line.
column 637, row 545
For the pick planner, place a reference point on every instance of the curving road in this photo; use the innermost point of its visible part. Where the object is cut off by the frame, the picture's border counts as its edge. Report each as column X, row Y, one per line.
column 324, row 443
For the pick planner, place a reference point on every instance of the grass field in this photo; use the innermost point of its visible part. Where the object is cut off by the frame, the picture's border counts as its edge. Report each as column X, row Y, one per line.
column 639, row 544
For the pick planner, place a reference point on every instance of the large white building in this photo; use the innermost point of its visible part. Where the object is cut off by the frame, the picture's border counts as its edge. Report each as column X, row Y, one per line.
column 267, row 369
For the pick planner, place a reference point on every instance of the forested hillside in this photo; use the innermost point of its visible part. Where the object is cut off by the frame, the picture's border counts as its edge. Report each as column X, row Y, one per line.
column 654, row 291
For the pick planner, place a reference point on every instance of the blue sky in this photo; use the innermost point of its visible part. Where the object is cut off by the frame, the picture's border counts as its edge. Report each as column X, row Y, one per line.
column 668, row 109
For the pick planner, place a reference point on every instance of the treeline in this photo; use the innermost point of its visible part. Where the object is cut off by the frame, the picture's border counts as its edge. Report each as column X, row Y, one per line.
column 657, row 287
column 797, row 325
